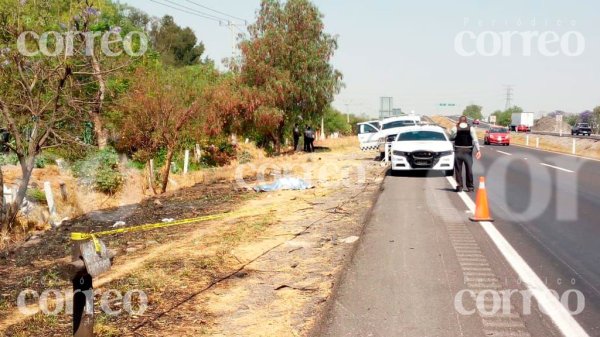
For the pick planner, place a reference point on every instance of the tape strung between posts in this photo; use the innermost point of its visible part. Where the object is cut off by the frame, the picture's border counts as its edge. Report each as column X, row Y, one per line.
column 77, row 236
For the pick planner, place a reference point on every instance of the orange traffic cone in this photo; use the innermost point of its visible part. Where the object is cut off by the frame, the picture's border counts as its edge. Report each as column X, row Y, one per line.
column 482, row 211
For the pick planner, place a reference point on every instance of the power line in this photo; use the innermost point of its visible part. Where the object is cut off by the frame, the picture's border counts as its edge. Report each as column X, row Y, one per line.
column 187, row 12
column 216, row 11
column 195, row 11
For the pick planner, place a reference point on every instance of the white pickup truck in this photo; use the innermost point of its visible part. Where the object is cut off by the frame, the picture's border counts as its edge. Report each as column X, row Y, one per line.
column 377, row 135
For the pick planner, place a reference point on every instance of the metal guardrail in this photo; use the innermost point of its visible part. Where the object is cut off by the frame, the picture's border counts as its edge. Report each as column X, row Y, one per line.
column 567, row 135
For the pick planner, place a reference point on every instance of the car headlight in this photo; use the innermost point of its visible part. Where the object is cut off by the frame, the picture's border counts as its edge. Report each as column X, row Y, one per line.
column 400, row 153
column 446, row 153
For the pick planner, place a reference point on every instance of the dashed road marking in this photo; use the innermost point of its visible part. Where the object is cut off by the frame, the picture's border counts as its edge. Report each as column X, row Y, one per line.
column 506, row 153
column 557, row 168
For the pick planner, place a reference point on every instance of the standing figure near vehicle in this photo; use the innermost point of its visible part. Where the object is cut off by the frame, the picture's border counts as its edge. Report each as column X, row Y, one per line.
column 296, row 135
column 465, row 139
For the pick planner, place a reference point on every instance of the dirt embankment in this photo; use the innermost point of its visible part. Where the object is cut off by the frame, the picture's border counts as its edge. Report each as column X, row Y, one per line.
column 267, row 270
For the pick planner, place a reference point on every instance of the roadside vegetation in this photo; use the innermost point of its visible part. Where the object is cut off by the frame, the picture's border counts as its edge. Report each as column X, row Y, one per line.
column 91, row 110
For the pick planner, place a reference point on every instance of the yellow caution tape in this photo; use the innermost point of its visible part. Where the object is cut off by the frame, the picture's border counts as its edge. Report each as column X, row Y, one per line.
column 77, row 236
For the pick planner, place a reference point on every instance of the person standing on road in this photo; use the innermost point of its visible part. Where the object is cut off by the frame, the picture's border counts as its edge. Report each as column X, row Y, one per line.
column 465, row 140
column 296, row 136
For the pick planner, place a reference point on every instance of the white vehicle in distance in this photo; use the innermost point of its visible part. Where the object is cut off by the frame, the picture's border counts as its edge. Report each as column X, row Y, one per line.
column 367, row 135
column 422, row 147
column 390, row 127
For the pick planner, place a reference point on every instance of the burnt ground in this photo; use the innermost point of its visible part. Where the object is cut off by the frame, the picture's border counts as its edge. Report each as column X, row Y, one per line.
column 265, row 274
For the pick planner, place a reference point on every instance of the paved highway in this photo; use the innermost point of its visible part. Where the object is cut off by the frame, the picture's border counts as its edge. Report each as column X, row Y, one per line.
column 548, row 207
column 419, row 250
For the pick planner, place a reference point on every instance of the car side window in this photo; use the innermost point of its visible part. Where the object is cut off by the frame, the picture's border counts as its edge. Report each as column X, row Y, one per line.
column 366, row 128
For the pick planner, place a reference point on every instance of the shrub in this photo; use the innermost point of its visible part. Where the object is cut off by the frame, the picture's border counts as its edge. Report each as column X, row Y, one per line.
column 100, row 170
column 36, row 195
column 9, row 159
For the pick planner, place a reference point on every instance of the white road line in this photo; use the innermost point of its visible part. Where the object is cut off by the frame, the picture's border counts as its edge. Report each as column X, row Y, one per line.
column 506, row 153
column 556, row 167
column 550, row 304
column 555, row 152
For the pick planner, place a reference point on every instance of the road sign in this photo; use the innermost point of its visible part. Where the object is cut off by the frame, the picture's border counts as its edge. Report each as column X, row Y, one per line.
column 559, row 118
column 493, row 119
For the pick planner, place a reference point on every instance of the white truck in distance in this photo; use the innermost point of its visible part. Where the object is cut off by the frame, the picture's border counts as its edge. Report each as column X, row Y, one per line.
column 522, row 121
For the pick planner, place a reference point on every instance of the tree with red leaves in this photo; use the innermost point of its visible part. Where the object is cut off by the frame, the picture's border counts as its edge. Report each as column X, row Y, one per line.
column 160, row 108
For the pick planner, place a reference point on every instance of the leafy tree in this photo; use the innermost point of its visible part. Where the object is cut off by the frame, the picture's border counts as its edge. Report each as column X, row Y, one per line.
column 159, row 109
column 505, row 117
column 177, row 46
column 335, row 121
column 473, row 111
column 287, row 58
column 595, row 120
column 37, row 105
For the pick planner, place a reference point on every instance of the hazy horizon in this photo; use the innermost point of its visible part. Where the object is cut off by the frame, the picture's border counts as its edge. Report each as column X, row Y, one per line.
column 406, row 50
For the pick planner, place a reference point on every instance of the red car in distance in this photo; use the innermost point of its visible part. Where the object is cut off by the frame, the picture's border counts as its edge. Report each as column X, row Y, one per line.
column 497, row 135
column 523, row 128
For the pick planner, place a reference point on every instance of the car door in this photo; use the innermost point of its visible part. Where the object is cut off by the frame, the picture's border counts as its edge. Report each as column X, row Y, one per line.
column 367, row 136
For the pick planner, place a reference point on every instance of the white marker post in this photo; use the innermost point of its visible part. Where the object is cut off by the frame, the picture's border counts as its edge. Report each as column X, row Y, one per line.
column 574, row 145
column 186, row 161
column 527, row 140
column 537, row 142
column 50, row 200
column 151, row 175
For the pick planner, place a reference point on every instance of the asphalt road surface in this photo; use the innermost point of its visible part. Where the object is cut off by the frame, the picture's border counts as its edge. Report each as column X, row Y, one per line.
column 419, row 251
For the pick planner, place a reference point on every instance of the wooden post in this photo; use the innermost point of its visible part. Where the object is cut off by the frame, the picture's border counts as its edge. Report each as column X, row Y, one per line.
column 63, row 191
column 186, row 161
column 151, row 176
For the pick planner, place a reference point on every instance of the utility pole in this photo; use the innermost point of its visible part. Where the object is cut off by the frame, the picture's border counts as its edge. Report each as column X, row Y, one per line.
column 509, row 96
column 232, row 27
column 347, row 113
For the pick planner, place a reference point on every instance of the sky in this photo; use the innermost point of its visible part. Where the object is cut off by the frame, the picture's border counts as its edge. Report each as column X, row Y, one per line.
column 408, row 50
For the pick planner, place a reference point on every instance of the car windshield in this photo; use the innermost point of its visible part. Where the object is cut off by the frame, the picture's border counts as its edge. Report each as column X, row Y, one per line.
column 398, row 124
column 584, row 125
column 421, row 136
column 498, row 130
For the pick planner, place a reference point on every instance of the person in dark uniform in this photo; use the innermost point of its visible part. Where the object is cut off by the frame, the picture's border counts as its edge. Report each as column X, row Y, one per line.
column 465, row 140
column 311, row 139
column 306, row 136
column 296, row 135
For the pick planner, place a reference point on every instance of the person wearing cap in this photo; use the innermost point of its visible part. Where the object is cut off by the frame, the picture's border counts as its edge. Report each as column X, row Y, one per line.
column 465, row 141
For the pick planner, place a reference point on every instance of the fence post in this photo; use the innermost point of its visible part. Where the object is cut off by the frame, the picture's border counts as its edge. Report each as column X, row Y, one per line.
column 197, row 153
column 527, row 140
column 63, row 191
column 574, row 145
column 186, row 161
column 537, row 142
column 50, row 200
